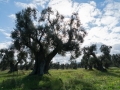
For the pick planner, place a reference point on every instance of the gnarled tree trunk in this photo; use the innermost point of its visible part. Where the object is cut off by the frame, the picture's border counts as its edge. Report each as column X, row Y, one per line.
column 90, row 67
column 48, row 59
column 99, row 65
column 39, row 64
column 85, row 66
column 13, row 67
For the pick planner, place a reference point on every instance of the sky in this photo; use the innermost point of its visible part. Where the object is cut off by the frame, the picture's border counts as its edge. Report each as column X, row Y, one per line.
column 100, row 18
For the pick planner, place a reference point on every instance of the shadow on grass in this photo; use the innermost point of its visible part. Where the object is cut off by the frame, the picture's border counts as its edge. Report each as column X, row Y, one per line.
column 25, row 83
column 44, row 83
column 10, row 75
column 30, row 83
column 113, row 74
column 3, row 73
column 108, row 73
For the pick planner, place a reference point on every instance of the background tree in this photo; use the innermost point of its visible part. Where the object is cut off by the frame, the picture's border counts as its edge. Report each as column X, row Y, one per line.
column 84, row 62
column 89, row 51
column 106, row 57
column 28, row 61
column 57, row 65
column 62, row 66
column 7, row 58
column 21, row 57
column 91, row 62
column 3, row 63
column 67, row 66
column 73, row 64
column 115, row 59
column 51, row 35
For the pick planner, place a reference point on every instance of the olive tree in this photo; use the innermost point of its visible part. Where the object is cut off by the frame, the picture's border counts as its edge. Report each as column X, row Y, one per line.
column 46, row 34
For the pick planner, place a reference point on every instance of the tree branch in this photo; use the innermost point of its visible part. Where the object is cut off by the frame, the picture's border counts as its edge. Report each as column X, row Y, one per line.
column 52, row 54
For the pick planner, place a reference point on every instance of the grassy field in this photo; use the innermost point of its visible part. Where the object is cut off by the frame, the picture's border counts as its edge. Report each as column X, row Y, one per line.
column 79, row 79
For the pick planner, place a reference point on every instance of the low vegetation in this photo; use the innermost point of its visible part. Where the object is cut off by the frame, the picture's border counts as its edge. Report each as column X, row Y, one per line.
column 70, row 79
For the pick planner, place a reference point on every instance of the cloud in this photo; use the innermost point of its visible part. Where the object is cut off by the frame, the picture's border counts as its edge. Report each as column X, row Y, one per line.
column 88, row 12
column 5, row 33
column 102, row 26
column 111, row 13
column 112, row 8
column 12, row 16
column 5, row 45
column 62, row 59
column 64, row 7
column 32, row 4
column 25, row 5
column 115, row 49
column 116, row 30
column 5, row 1
column 40, row 2
column 109, row 21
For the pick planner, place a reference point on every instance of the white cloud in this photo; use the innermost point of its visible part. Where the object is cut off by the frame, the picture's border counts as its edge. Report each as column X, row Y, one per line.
column 112, row 9
column 12, row 16
column 115, row 49
column 109, row 21
column 62, row 59
column 106, row 29
column 25, row 5
column 97, row 34
column 116, row 30
column 93, row 3
column 5, row 45
column 63, row 6
column 88, row 12
column 5, row 33
column 32, row 4
column 40, row 2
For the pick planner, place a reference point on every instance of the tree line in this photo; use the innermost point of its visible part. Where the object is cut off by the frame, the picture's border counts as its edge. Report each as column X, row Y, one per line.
column 106, row 60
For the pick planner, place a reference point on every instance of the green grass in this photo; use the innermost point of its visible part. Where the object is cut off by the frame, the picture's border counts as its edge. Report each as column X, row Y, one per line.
column 79, row 79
